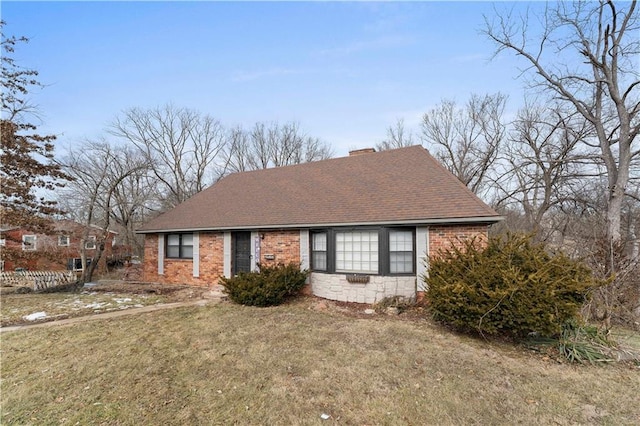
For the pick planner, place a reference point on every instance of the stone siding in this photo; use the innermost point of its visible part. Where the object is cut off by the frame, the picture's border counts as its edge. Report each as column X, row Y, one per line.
column 336, row 287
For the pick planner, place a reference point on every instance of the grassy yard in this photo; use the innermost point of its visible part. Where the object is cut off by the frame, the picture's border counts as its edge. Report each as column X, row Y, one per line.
column 289, row 365
column 17, row 308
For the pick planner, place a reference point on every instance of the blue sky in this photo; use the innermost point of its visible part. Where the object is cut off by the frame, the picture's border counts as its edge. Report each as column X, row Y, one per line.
column 344, row 70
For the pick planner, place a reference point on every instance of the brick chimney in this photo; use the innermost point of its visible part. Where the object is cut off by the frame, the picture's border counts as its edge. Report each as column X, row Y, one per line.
column 361, row 151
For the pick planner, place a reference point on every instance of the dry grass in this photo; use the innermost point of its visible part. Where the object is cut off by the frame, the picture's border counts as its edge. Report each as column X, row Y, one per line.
column 15, row 307
column 288, row 365
column 106, row 297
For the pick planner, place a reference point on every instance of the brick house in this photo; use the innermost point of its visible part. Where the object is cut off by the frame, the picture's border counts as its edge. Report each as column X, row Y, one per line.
column 57, row 251
column 363, row 224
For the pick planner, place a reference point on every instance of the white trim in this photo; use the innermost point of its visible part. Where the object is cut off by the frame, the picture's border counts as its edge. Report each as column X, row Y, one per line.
column 304, row 249
column 226, row 254
column 161, row 254
column 255, row 251
column 90, row 243
column 196, row 255
column 73, row 266
column 35, row 243
column 445, row 221
column 422, row 253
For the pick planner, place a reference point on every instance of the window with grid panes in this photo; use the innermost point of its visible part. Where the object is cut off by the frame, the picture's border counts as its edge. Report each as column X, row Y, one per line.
column 400, row 252
column 180, row 246
column 357, row 251
column 319, row 251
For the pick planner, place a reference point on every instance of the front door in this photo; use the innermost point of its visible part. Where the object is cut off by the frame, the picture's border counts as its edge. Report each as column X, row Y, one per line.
column 241, row 244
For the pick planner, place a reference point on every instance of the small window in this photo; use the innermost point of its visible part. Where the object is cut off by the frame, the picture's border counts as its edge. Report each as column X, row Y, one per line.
column 90, row 244
column 400, row 252
column 3, row 242
column 319, row 251
column 63, row 240
column 75, row 264
column 357, row 251
column 28, row 242
column 180, row 246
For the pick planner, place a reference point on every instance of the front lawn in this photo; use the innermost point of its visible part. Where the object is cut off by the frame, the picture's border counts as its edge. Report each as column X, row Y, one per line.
column 40, row 307
column 28, row 308
column 288, row 365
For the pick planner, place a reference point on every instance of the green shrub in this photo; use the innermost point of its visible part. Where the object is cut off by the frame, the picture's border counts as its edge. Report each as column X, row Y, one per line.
column 511, row 287
column 272, row 285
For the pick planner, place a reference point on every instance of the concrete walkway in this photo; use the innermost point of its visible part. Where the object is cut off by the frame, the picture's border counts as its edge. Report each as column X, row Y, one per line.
column 113, row 314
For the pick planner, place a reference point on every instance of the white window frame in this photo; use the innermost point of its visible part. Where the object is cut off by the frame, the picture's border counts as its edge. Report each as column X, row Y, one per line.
column 320, row 251
column 3, row 242
column 60, row 241
column 30, row 247
column 79, row 261
column 90, row 244
column 357, row 251
column 369, row 262
column 401, row 246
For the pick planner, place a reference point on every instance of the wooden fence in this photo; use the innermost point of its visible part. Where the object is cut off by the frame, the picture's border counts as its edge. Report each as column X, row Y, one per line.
column 37, row 280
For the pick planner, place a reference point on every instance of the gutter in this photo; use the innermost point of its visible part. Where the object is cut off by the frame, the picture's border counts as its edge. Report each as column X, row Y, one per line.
column 475, row 220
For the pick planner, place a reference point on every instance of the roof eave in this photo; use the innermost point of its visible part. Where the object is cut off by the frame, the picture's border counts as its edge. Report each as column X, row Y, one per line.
column 437, row 221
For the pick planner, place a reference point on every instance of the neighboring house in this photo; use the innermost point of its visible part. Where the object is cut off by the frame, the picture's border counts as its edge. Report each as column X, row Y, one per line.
column 363, row 225
column 60, row 250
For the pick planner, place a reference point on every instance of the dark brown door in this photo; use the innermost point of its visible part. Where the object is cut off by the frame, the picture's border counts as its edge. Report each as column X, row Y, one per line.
column 241, row 243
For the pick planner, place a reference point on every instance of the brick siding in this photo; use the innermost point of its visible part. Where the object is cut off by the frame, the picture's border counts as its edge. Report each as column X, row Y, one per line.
column 284, row 245
column 444, row 237
column 150, row 260
column 47, row 255
column 180, row 271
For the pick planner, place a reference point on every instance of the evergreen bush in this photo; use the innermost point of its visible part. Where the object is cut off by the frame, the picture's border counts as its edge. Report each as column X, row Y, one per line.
column 511, row 287
column 269, row 286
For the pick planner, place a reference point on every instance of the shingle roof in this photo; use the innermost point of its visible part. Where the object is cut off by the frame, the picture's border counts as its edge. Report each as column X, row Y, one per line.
column 405, row 185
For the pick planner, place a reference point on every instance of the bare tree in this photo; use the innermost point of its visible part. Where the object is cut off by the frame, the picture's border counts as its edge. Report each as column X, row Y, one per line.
column 586, row 55
column 467, row 139
column 397, row 137
column 99, row 170
column 134, row 199
column 273, row 145
column 237, row 149
column 545, row 166
column 183, row 146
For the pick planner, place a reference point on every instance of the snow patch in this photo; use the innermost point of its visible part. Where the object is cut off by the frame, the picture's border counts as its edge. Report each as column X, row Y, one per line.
column 96, row 305
column 35, row 316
